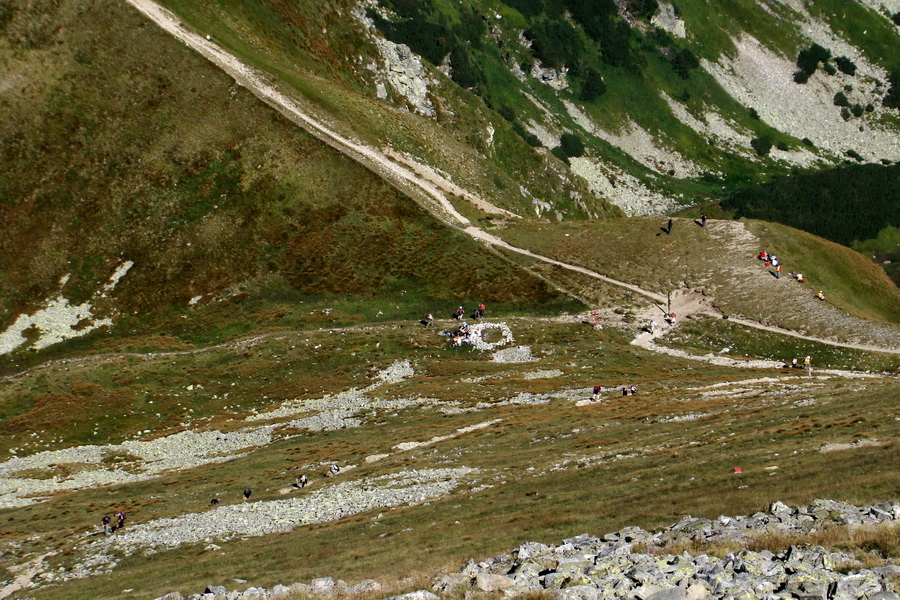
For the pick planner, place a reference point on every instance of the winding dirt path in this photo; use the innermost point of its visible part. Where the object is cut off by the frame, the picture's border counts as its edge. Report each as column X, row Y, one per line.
column 420, row 181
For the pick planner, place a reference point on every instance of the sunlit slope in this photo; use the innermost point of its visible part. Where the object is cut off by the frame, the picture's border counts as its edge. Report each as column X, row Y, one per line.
column 721, row 262
column 119, row 144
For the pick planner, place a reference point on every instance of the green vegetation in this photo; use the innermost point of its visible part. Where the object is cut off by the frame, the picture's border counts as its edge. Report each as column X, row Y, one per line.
column 707, row 334
column 209, row 192
column 716, row 261
column 848, row 204
column 551, row 470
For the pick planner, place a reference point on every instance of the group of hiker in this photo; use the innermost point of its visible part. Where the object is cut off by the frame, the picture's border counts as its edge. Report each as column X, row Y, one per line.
column 107, row 524
column 807, row 364
column 772, row 261
column 626, row 391
column 462, row 334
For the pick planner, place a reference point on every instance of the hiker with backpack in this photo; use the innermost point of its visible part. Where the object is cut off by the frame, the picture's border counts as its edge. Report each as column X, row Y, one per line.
column 597, row 391
column 120, row 520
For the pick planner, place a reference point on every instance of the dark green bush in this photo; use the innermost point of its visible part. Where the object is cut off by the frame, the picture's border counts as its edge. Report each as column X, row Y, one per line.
column 684, row 61
column 528, row 8
column 559, row 153
column 507, row 113
column 782, row 146
column 840, row 99
column 892, row 98
column 896, row 18
column 857, row 110
column 845, row 65
column 808, row 142
column 593, row 86
column 854, row 155
column 762, row 145
column 555, row 43
column 530, row 138
column 845, row 113
column 808, row 60
column 843, row 204
column 754, row 114
column 572, row 145
column 465, row 73
column 870, row 107
column 801, row 77
column 829, row 68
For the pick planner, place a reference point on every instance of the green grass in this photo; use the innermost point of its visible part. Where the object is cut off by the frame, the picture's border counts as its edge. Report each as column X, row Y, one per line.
column 853, row 282
column 707, row 334
column 684, row 466
column 716, row 262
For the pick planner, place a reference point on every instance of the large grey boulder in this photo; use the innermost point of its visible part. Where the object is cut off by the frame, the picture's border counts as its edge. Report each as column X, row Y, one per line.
column 215, row 589
column 489, row 582
column 673, row 593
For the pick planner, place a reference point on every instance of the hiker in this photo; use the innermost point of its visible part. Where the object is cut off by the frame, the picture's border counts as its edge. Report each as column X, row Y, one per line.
column 597, row 391
column 624, row 391
column 799, row 277
column 820, row 296
column 429, row 320
column 807, row 362
column 651, row 327
column 460, row 313
column 794, row 364
column 703, row 220
column 334, row 470
column 120, row 520
column 302, row 481
column 105, row 522
column 763, row 255
column 774, row 260
column 669, row 228
column 778, row 272
column 633, row 389
column 670, row 319
column 481, row 309
column 247, row 493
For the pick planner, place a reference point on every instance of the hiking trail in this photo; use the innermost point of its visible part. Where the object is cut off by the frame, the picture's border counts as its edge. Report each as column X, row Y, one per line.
column 423, row 184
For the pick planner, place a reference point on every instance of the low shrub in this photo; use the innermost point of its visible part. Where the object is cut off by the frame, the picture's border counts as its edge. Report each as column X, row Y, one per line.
column 572, row 145
column 845, row 65
column 840, row 99
column 762, row 145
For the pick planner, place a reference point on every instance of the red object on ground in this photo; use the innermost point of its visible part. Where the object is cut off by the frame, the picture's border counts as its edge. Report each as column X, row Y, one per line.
column 768, row 264
column 737, row 470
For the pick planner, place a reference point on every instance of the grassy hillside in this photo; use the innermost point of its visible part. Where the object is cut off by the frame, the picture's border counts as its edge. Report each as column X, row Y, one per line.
column 319, row 49
column 721, row 262
column 545, row 471
column 118, row 143
column 857, row 206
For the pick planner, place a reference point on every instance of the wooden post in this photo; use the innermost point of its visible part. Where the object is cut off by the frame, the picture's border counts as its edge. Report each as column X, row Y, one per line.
column 669, row 305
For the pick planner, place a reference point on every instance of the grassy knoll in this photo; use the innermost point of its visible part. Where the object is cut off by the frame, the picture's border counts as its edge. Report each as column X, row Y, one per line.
column 551, row 470
column 720, row 261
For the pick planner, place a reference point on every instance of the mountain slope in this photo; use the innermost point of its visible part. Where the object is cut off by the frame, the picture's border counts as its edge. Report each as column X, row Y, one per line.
column 120, row 145
column 665, row 121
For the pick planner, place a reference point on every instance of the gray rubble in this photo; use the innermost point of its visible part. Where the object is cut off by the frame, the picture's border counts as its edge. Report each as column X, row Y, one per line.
column 590, row 568
column 610, row 567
